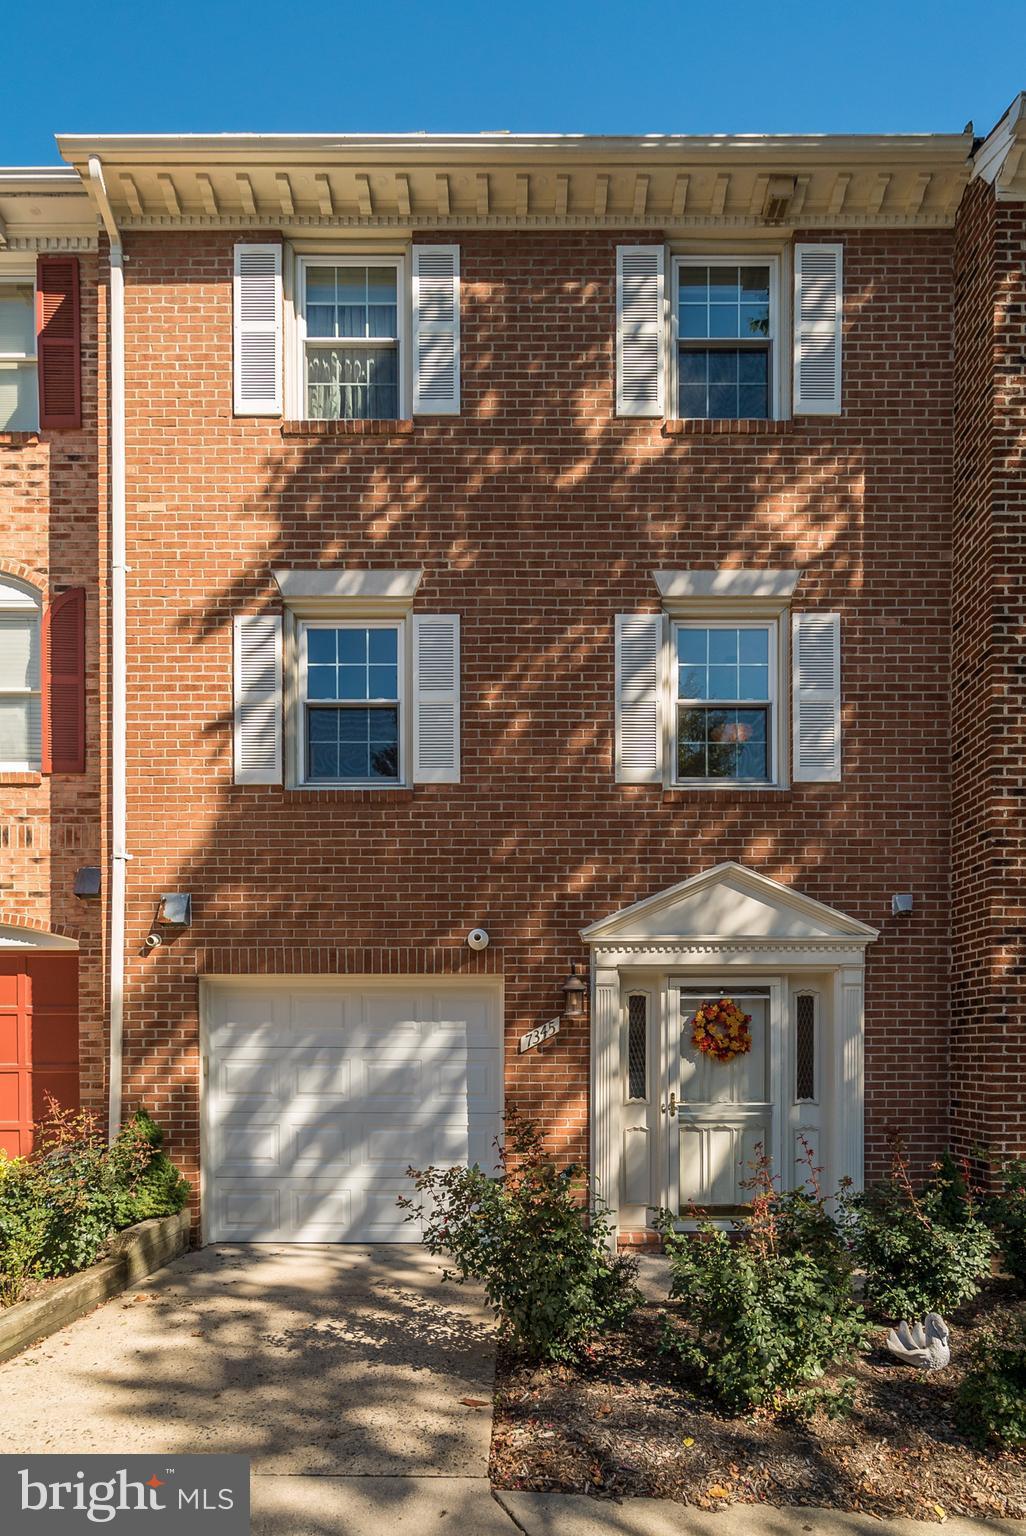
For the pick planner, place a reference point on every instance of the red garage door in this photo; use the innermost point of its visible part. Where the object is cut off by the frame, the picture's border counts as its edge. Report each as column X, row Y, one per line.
column 38, row 1040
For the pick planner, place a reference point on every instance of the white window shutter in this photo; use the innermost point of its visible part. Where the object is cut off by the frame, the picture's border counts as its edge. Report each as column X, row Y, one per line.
column 436, row 698
column 436, row 330
column 258, row 699
column 640, row 331
column 818, row 313
column 816, row 696
column 640, row 651
column 258, row 330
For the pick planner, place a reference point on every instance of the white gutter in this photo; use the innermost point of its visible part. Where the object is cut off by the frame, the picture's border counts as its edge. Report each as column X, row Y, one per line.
column 118, row 649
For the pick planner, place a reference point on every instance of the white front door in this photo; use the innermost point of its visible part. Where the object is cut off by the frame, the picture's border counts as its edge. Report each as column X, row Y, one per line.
column 720, row 1113
column 320, row 1094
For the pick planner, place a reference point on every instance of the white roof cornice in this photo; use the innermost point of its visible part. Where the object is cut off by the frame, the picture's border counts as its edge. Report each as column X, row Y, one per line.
column 671, row 183
column 45, row 208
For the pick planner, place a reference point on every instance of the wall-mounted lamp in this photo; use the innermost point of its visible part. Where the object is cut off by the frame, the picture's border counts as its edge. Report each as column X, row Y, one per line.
column 87, row 881
column 575, row 990
column 175, row 909
column 902, row 904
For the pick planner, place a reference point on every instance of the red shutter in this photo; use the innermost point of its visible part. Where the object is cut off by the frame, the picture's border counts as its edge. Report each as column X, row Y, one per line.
column 58, row 338
column 64, row 683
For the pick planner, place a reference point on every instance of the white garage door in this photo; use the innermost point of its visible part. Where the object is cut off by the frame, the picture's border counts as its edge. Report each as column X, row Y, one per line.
column 320, row 1095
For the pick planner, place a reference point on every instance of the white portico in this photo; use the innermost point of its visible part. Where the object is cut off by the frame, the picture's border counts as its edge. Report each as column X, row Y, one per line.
column 671, row 1127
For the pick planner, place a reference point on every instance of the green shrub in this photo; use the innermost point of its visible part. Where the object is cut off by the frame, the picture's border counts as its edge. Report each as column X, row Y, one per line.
column 769, row 1305
column 156, row 1188
column 534, row 1241
column 60, row 1206
column 922, row 1250
column 1008, row 1213
column 23, row 1222
column 991, row 1401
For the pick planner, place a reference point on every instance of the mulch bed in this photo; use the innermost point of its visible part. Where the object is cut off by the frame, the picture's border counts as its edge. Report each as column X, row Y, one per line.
column 626, row 1423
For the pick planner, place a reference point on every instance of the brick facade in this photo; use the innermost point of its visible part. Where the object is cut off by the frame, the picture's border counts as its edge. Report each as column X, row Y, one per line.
column 51, row 536
column 989, row 630
column 538, row 515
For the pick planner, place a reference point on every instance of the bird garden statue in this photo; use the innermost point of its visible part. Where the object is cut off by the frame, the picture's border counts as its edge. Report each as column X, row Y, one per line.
column 925, row 1344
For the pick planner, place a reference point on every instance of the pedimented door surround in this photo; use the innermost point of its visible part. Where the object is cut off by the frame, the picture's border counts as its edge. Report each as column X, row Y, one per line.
column 727, row 922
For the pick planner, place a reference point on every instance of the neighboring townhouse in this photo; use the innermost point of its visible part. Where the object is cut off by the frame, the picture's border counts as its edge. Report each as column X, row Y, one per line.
column 546, row 582
column 51, row 560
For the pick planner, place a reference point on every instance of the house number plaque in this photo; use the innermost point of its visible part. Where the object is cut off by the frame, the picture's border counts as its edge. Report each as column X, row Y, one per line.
column 538, row 1035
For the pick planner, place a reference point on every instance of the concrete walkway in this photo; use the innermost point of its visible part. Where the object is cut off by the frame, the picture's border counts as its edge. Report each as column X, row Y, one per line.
column 554, row 1514
column 338, row 1370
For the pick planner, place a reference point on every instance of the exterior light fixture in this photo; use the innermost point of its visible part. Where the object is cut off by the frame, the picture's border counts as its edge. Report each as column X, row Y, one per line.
column 902, row 904
column 175, row 909
column 574, row 992
column 87, row 881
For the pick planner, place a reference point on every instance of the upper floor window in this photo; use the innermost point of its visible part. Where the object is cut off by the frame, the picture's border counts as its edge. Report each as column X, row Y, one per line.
column 709, row 693
column 725, row 692
column 352, row 690
column 20, row 684
column 350, row 313
column 19, row 389
column 726, row 327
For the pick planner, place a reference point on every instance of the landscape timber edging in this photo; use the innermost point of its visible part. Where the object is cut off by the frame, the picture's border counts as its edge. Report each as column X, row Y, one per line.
column 134, row 1253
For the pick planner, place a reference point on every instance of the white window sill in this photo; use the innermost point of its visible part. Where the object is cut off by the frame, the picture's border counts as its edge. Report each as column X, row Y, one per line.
column 342, row 786
column 745, row 785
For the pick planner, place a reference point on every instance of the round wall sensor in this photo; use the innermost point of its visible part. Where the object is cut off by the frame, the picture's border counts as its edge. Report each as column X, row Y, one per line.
column 477, row 938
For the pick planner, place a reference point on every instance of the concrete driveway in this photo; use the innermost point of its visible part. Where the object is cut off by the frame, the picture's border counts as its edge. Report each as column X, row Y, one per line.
column 338, row 1370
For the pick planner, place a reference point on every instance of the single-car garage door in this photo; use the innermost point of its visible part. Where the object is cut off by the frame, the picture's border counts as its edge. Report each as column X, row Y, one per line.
column 319, row 1095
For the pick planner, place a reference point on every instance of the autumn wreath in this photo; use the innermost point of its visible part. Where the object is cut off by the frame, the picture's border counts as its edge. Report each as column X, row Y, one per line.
column 720, row 1029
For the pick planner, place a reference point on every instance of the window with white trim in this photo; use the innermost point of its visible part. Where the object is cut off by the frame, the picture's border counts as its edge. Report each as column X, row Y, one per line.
column 350, row 314
column 725, row 696
column 20, row 678
column 718, row 687
column 726, row 336
column 352, row 691
column 19, row 384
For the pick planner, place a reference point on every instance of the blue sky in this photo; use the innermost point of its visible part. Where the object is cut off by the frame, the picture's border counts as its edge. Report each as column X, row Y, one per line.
column 561, row 66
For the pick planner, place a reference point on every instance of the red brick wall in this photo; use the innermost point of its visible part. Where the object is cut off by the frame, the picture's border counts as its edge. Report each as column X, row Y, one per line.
column 51, row 826
column 537, row 516
column 989, row 636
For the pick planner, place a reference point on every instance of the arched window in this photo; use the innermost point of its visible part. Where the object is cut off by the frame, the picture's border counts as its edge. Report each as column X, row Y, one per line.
column 20, row 682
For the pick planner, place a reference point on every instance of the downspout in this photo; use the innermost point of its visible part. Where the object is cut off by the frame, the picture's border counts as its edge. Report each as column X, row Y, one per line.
column 118, row 649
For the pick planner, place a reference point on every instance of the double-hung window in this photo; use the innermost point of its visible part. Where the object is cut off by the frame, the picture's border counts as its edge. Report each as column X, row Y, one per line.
column 19, row 388
column 20, row 685
column 350, row 316
column 725, row 694
column 726, row 686
column 351, row 680
column 726, row 327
